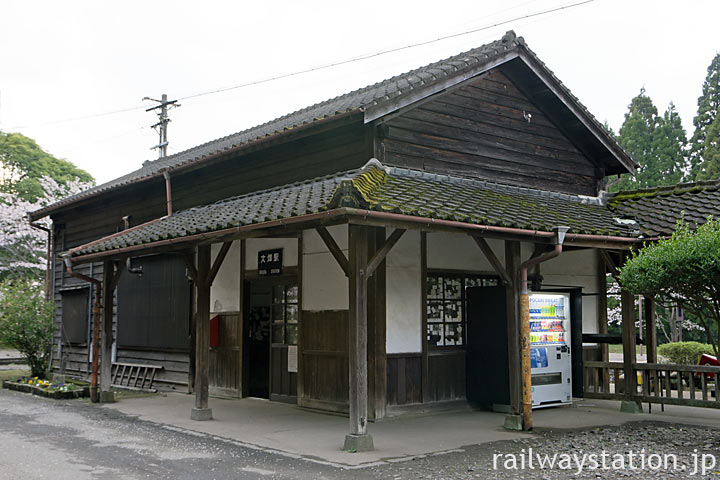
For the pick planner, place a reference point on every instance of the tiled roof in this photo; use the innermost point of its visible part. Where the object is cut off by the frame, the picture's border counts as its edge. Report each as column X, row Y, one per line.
column 377, row 95
column 657, row 210
column 395, row 190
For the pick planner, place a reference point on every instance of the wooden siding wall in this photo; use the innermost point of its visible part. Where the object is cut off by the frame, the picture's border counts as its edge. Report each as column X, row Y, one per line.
column 480, row 130
column 308, row 157
column 446, row 375
column 225, row 359
column 324, row 360
column 404, row 378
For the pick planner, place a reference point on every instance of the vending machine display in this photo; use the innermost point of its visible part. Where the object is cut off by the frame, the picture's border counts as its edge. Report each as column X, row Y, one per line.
column 550, row 349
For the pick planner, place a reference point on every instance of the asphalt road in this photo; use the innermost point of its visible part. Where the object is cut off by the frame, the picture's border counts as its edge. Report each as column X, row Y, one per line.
column 47, row 439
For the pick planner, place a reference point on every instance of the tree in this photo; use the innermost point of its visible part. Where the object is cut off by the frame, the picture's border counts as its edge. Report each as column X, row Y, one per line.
column 23, row 249
column 636, row 137
column 24, row 164
column 710, row 167
column 27, row 324
column 708, row 105
column 684, row 269
column 669, row 144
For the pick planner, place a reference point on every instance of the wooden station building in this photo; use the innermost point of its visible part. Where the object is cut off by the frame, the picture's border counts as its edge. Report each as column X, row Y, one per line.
column 322, row 258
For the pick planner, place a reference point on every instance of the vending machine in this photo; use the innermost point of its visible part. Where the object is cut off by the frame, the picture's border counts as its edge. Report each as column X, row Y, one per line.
column 551, row 366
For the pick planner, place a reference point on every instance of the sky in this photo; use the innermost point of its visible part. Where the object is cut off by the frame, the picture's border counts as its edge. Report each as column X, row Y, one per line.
column 73, row 74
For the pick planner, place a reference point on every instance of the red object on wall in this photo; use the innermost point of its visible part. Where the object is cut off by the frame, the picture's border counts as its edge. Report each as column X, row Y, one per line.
column 215, row 331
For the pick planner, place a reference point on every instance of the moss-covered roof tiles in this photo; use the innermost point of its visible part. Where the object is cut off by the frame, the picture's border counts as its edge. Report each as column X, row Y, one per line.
column 657, row 210
column 394, row 190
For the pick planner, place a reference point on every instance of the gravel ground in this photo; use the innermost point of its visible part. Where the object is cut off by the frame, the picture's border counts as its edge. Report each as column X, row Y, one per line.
column 655, row 443
column 41, row 438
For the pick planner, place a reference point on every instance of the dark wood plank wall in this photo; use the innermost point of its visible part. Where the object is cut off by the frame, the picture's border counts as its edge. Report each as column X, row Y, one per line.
column 308, row 157
column 283, row 384
column 225, row 358
column 323, row 357
column 479, row 130
column 404, row 378
column 446, row 375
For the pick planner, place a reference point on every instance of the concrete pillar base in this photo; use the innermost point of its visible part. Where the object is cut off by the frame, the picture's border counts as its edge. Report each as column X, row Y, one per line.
column 513, row 422
column 201, row 414
column 358, row 443
column 107, row 397
column 629, row 406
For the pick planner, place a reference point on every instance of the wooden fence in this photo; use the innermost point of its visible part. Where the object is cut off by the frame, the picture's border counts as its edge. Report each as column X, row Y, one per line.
column 661, row 383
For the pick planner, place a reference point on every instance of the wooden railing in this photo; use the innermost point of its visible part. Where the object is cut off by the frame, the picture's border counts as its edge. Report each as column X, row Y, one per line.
column 661, row 383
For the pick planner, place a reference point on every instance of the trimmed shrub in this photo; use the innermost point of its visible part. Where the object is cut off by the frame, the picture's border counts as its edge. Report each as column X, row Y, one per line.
column 684, row 353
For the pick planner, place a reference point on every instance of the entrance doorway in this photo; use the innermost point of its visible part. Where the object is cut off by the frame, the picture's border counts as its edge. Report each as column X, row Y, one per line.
column 271, row 338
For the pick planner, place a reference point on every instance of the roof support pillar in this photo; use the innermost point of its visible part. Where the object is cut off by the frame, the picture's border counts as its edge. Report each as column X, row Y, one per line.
column 650, row 330
column 358, row 439
column 629, row 404
column 512, row 264
column 201, row 411
column 111, row 276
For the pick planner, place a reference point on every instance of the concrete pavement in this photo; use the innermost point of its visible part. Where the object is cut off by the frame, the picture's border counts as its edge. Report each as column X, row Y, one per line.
column 294, row 432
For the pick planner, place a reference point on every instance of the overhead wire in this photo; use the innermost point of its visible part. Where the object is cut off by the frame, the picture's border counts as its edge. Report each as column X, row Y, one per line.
column 325, row 66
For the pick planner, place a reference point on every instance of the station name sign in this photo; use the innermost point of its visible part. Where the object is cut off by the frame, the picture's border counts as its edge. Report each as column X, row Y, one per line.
column 270, row 262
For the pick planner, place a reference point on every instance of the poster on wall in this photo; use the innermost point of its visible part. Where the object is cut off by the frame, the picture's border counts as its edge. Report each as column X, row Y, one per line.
column 270, row 262
column 292, row 358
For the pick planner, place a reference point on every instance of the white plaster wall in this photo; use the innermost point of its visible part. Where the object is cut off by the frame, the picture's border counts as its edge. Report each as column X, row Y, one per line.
column 254, row 245
column 576, row 268
column 453, row 251
column 404, row 295
column 325, row 286
column 225, row 290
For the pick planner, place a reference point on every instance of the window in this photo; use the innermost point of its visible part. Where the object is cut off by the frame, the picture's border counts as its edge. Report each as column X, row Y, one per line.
column 284, row 314
column 446, row 307
column 75, row 315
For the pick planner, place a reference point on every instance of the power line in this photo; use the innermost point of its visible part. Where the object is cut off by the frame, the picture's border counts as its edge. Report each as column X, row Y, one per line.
column 328, row 65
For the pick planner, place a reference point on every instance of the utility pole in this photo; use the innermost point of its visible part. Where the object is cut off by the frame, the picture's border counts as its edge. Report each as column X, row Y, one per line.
column 161, row 126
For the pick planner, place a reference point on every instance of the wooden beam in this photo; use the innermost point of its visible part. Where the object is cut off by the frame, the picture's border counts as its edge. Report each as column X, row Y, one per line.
column 601, row 287
column 358, row 362
column 202, row 336
column 650, row 330
column 628, row 337
column 334, row 249
column 218, row 262
column 119, row 268
column 609, row 262
column 494, row 261
column 106, row 333
column 512, row 263
column 425, row 389
column 383, row 251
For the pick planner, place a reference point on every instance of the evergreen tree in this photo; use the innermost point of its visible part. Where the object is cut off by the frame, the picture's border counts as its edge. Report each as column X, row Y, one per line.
column 708, row 104
column 636, row 137
column 711, row 153
column 669, row 146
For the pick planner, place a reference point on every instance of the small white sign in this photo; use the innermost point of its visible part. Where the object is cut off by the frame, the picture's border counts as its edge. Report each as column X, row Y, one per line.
column 292, row 358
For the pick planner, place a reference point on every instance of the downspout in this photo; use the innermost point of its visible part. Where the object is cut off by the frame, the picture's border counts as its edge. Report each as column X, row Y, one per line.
column 128, row 263
column 97, row 310
column 168, row 192
column 525, row 323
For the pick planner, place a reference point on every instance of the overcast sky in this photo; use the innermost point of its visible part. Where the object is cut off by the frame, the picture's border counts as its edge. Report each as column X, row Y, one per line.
column 63, row 63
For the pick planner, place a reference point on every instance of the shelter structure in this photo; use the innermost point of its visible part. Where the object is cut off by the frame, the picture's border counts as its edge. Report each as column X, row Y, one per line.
column 322, row 258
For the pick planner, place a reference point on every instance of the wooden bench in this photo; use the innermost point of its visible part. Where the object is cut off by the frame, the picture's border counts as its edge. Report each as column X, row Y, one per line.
column 134, row 376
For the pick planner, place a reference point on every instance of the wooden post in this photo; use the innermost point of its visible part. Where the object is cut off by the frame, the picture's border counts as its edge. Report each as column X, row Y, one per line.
column 512, row 262
column 628, row 336
column 106, row 395
column 650, row 330
column 601, row 287
column 358, row 439
column 201, row 411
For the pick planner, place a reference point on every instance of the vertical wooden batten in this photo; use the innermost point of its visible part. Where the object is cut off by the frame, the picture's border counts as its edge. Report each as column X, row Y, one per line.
column 423, row 328
column 512, row 263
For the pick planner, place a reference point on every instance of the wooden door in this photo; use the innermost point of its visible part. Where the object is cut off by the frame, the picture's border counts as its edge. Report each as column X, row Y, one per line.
column 225, row 359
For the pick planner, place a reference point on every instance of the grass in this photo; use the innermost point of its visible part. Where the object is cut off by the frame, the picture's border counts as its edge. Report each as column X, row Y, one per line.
column 13, row 374
column 616, row 348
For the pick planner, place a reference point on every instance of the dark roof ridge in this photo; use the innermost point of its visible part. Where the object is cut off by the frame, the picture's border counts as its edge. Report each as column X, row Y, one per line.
column 676, row 188
column 496, row 186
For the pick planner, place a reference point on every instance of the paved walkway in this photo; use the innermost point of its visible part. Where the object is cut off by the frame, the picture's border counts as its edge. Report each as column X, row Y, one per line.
column 286, row 429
